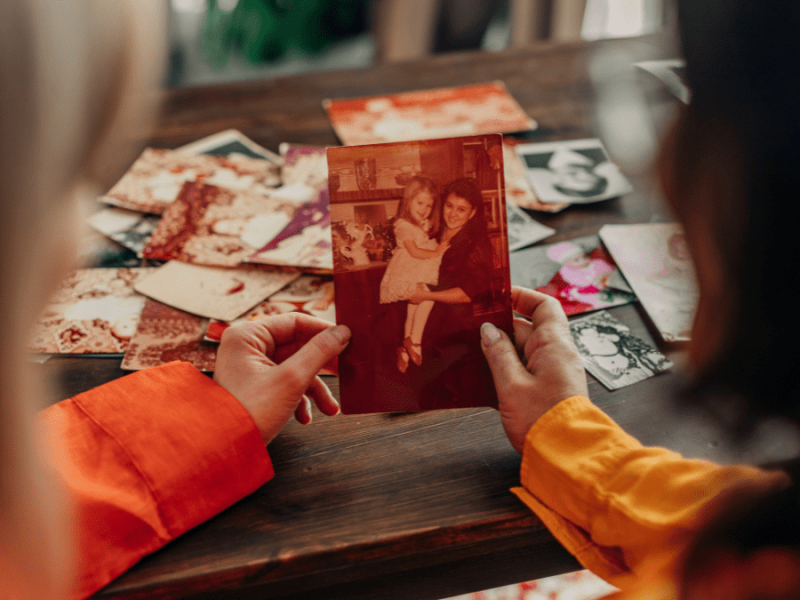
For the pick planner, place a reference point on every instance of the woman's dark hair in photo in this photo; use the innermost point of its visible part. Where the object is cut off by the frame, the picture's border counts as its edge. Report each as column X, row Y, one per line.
column 468, row 189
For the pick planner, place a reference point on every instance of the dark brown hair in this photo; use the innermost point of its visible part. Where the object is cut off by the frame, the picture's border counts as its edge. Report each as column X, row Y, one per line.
column 743, row 124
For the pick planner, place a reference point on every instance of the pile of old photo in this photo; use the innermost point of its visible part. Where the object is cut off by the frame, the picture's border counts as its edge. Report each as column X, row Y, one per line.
column 188, row 242
column 421, row 223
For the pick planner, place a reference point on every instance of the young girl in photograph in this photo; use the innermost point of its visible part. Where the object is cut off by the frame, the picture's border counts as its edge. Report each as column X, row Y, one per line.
column 415, row 260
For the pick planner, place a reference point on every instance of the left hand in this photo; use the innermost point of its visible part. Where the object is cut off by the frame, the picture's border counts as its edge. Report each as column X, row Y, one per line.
column 550, row 369
column 271, row 365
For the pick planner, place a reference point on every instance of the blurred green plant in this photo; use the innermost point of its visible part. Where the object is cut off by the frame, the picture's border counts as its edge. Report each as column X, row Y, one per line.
column 264, row 30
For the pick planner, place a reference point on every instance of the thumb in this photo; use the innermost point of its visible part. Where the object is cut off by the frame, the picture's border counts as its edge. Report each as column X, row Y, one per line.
column 501, row 355
column 321, row 349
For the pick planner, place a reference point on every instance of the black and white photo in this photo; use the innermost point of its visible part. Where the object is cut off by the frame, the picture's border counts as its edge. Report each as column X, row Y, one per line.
column 576, row 171
column 612, row 353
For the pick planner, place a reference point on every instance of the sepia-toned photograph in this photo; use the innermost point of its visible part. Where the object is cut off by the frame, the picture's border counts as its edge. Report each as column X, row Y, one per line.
column 428, row 114
column 420, row 253
column 575, row 171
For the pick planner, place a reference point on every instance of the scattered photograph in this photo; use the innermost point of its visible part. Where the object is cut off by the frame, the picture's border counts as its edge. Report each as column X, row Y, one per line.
column 165, row 334
column 94, row 311
column 524, row 230
column 209, row 225
column 614, row 355
column 230, row 142
column 213, row 292
column 655, row 260
column 671, row 72
column 420, row 254
column 155, row 180
column 575, row 272
column 304, row 165
column 99, row 251
column 518, row 188
column 307, row 288
column 427, row 114
column 305, row 241
column 617, row 281
column 576, row 171
column 309, row 294
column 130, row 228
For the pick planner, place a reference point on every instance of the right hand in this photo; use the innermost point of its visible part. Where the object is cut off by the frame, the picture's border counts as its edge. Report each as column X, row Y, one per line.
column 271, row 365
column 551, row 369
column 442, row 248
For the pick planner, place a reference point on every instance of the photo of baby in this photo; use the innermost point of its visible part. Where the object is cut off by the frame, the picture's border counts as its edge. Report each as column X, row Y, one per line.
column 419, row 265
column 576, row 171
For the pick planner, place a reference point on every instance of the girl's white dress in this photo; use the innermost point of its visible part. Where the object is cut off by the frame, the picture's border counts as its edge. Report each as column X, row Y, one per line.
column 404, row 272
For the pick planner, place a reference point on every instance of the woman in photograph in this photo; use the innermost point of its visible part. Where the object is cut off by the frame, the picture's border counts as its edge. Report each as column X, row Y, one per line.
column 645, row 519
column 414, row 261
column 464, row 278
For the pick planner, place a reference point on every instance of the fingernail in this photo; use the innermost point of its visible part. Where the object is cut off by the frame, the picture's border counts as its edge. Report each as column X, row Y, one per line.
column 489, row 334
column 341, row 333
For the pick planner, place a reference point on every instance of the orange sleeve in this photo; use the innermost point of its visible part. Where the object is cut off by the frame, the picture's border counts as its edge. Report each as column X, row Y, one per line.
column 625, row 511
column 148, row 457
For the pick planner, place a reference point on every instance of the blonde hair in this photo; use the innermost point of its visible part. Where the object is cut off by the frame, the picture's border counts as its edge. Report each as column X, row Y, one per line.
column 416, row 185
column 78, row 82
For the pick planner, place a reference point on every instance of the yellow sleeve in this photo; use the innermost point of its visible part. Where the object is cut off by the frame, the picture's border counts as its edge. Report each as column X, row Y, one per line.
column 625, row 511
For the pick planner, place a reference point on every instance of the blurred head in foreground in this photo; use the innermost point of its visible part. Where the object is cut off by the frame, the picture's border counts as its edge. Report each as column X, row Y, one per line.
column 729, row 168
column 78, row 79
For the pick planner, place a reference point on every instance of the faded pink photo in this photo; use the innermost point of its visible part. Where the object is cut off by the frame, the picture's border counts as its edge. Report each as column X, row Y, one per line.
column 165, row 334
column 209, row 225
column 428, row 114
column 305, row 241
column 154, row 181
column 94, row 311
column 420, row 252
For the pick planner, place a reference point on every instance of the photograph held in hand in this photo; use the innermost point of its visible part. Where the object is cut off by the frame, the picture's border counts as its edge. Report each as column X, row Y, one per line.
column 420, row 252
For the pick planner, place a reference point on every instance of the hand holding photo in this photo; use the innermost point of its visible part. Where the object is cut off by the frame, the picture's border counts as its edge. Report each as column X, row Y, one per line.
column 612, row 353
column 576, row 171
column 420, row 262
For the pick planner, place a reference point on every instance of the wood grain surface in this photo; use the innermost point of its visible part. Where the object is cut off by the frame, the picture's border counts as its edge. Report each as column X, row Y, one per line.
column 401, row 505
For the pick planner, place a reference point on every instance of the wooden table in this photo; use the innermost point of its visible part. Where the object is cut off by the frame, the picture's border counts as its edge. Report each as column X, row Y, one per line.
column 411, row 505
